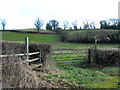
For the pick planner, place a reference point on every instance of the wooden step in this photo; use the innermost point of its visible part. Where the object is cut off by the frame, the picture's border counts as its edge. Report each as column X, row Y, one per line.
column 32, row 60
column 35, row 65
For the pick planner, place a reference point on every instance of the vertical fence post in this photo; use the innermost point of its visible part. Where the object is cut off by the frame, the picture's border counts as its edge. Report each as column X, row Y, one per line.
column 95, row 42
column 27, row 48
column 89, row 59
column 40, row 56
column 95, row 49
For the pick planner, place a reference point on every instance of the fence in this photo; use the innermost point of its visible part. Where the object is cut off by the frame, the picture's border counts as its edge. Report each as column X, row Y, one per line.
column 80, row 57
column 74, row 57
column 27, row 55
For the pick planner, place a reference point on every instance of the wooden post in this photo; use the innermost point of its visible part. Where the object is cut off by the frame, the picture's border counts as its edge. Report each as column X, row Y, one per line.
column 95, row 42
column 95, row 49
column 89, row 59
column 27, row 48
column 40, row 56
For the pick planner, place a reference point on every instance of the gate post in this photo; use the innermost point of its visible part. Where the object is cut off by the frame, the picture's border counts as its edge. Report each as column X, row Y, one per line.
column 89, row 59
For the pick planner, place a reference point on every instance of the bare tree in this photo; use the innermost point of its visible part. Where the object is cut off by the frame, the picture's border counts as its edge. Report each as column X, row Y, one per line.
column 92, row 25
column 74, row 23
column 54, row 23
column 86, row 25
column 89, row 25
column 3, row 22
column 38, row 23
column 65, row 24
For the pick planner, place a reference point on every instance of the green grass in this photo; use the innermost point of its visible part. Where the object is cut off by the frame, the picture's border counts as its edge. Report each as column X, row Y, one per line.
column 82, row 46
column 109, row 83
column 70, row 59
column 72, row 46
column 46, row 38
column 69, row 55
column 88, row 78
column 94, row 77
column 38, row 38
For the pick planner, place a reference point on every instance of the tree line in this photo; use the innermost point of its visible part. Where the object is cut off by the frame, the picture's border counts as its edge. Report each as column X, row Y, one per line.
column 51, row 25
column 110, row 24
column 54, row 24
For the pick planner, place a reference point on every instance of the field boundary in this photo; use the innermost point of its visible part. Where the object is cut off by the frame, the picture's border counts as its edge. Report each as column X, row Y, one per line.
column 30, row 32
column 28, row 56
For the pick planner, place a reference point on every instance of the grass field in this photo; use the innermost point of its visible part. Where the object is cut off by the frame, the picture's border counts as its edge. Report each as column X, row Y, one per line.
column 91, row 77
column 46, row 38
column 68, row 45
column 38, row 38
column 88, row 78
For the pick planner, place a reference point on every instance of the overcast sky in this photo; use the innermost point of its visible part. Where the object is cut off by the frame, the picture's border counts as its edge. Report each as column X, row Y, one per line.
column 22, row 13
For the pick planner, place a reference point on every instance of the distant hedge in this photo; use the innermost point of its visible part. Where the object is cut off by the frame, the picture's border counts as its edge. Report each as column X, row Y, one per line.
column 88, row 36
column 30, row 32
column 106, row 57
column 9, row 47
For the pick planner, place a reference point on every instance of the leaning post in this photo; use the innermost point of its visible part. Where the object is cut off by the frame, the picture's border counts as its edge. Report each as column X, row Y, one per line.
column 40, row 56
column 27, row 49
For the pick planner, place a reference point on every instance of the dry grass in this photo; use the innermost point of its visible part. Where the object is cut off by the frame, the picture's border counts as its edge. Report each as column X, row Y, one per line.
column 50, row 66
column 16, row 74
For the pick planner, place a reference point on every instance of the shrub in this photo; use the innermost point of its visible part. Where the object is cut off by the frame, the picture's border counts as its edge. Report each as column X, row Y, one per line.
column 48, row 26
column 88, row 36
column 64, row 36
column 108, row 57
column 15, row 71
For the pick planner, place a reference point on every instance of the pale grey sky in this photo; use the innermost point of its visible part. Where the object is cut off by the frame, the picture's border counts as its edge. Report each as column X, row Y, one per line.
column 22, row 13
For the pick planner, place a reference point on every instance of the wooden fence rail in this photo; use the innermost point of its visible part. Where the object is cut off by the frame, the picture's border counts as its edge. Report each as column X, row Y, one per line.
column 18, row 55
column 26, row 54
column 70, row 56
